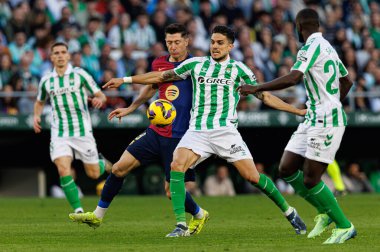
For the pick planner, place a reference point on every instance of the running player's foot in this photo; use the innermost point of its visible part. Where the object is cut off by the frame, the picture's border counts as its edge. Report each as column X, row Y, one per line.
column 108, row 164
column 179, row 231
column 340, row 235
column 322, row 221
column 196, row 225
column 297, row 223
column 88, row 218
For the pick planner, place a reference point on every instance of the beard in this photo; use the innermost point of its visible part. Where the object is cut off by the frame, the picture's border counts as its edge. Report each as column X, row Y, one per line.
column 220, row 58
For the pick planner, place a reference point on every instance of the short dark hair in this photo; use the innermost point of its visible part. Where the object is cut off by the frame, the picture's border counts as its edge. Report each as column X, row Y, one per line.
column 308, row 18
column 177, row 28
column 59, row 44
column 226, row 31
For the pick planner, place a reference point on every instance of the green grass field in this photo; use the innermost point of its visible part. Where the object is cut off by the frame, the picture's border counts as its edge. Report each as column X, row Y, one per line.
column 243, row 223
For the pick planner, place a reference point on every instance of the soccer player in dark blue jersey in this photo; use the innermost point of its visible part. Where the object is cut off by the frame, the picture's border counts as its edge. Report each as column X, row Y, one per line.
column 156, row 143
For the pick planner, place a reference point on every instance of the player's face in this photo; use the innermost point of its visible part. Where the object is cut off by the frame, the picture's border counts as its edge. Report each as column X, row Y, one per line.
column 299, row 33
column 59, row 56
column 177, row 46
column 220, row 47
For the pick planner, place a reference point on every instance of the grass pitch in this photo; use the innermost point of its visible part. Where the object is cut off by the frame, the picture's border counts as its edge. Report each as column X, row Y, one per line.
column 242, row 223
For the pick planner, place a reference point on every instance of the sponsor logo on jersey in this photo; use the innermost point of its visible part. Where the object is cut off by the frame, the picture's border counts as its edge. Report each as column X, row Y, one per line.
column 313, row 143
column 210, row 80
column 172, row 92
column 64, row 90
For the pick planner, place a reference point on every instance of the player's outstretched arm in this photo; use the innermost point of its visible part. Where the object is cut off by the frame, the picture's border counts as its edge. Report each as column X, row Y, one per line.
column 145, row 79
column 38, row 107
column 345, row 86
column 283, row 82
column 276, row 103
column 146, row 93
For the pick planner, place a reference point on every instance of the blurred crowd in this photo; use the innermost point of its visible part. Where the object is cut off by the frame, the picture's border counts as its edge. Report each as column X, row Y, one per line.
column 115, row 38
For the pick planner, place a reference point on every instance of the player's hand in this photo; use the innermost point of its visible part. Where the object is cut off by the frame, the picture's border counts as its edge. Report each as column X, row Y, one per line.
column 302, row 112
column 96, row 102
column 37, row 124
column 119, row 113
column 247, row 89
column 114, row 83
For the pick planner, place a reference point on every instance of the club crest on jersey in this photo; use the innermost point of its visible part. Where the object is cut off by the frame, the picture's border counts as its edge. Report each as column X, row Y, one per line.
column 71, row 81
column 172, row 93
column 228, row 70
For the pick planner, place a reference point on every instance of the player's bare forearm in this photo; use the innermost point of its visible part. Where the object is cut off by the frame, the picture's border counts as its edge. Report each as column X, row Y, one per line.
column 276, row 103
column 155, row 77
column 38, row 107
column 145, row 94
column 345, row 86
column 101, row 96
column 283, row 82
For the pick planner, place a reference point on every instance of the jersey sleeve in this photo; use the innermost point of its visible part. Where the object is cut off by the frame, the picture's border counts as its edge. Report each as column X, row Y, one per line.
column 306, row 57
column 185, row 68
column 42, row 92
column 88, row 81
column 246, row 75
column 342, row 69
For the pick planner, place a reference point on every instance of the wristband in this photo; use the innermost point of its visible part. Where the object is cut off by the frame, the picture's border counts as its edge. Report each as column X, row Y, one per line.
column 127, row 79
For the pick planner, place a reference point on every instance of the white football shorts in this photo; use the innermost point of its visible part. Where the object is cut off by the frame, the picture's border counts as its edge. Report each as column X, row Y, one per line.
column 316, row 143
column 82, row 148
column 226, row 143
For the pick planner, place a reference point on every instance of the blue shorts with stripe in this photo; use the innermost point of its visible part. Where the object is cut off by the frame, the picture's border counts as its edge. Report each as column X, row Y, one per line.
column 150, row 147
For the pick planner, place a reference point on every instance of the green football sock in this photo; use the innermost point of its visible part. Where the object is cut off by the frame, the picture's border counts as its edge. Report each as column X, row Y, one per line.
column 102, row 166
column 267, row 186
column 178, row 194
column 325, row 197
column 71, row 191
column 296, row 181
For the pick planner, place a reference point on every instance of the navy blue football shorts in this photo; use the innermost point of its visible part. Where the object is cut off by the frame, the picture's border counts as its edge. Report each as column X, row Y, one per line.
column 150, row 147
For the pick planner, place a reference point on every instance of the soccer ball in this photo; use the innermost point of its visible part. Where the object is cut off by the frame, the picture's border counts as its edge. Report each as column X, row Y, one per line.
column 161, row 113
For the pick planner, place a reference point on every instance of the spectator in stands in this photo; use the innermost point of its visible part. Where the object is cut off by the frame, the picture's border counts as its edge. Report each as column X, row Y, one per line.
column 375, row 179
column 8, row 103
column 68, row 36
column 126, row 64
column 93, row 36
column 159, row 22
column 143, row 33
column 18, row 47
column 25, row 103
column 355, row 180
column 121, row 34
column 219, row 184
column 6, row 71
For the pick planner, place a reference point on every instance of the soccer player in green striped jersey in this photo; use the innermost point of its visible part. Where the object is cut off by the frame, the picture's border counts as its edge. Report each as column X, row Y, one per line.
column 213, row 123
column 71, row 130
column 314, row 145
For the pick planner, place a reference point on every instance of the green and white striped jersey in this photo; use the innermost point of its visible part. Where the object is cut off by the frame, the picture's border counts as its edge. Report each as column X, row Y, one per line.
column 70, row 116
column 214, row 90
column 322, row 68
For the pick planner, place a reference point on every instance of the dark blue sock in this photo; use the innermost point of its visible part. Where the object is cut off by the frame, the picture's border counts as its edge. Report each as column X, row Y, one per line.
column 190, row 206
column 111, row 188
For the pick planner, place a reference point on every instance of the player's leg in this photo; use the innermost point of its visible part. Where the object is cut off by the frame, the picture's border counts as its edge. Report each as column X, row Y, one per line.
column 111, row 188
column 290, row 170
column 61, row 154
column 322, row 146
column 182, row 159
column 67, row 182
column 200, row 216
column 248, row 171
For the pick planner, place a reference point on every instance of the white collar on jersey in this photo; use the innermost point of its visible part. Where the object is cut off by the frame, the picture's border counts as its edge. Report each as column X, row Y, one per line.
column 314, row 35
column 223, row 63
column 68, row 70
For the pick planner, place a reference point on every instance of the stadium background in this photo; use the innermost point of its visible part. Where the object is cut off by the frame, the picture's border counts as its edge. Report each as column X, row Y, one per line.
column 266, row 42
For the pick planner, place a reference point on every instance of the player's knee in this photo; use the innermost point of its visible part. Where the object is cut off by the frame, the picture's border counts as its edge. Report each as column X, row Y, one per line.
column 310, row 182
column 119, row 171
column 177, row 166
column 93, row 173
column 285, row 170
column 252, row 178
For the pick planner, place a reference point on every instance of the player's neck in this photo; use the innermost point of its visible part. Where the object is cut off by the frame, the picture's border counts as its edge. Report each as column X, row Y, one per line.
column 61, row 70
column 179, row 59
